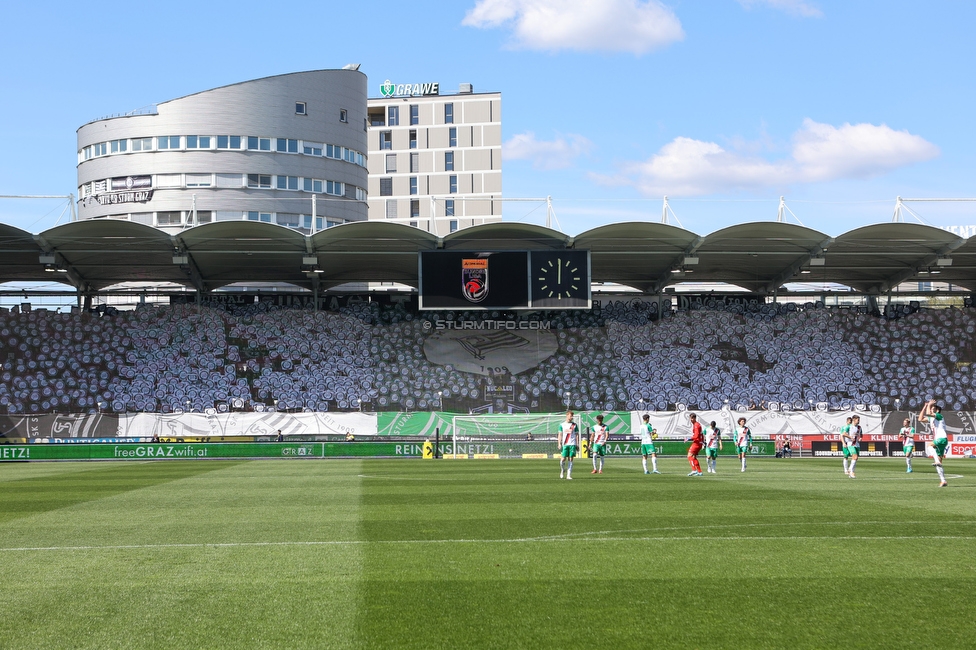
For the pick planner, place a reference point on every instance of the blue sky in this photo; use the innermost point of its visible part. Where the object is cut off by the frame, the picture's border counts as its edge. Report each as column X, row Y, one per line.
column 723, row 105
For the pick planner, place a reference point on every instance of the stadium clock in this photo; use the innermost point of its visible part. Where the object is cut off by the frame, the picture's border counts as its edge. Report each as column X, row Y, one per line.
column 560, row 279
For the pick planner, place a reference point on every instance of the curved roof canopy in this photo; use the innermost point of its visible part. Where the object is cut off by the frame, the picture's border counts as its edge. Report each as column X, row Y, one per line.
column 760, row 256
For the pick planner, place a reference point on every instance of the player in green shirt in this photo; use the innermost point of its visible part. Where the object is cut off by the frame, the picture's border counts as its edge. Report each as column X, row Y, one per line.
column 601, row 433
column 648, row 435
column 845, row 443
column 743, row 440
column 932, row 414
column 907, row 435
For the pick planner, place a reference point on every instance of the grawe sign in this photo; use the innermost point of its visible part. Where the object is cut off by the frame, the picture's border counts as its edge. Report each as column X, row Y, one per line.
column 390, row 89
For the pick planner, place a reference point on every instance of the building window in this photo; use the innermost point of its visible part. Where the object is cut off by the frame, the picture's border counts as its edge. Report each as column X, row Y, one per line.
column 414, row 114
column 386, row 139
column 413, row 138
column 287, row 182
column 100, row 149
column 452, row 137
column 118, row 146
column 391, row 163
column 415, row 209
column 386, row 187
column 230, row 180
column 393, row 116
column 288, row 219
column 391, row 209
column 169, row 218
column 448, row 161
column 199, row 180
column 258, row 144
column 168, row 142
column 142, row 144
column 312, row 185
column 311, row 148
column 335, row 188
column 415, row 163
column 343, row 115
column 413, row 185
column 228, row 142
column 301, row 108
column 448, row 113
column 259, row 181
column 284, row 145
column 204, row 216
column 453, row 183
column 449, row 208
column 259, row 216
column 198, row 142
column 360, row 194
column 453, row 225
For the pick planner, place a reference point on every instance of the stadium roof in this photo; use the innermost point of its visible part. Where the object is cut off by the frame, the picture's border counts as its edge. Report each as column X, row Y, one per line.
column 760, row 256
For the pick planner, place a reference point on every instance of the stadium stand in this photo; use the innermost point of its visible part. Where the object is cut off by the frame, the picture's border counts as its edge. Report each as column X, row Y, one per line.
column 620, row 355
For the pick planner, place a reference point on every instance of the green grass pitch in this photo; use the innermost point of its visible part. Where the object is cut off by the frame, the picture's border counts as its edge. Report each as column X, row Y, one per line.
column 486, row 554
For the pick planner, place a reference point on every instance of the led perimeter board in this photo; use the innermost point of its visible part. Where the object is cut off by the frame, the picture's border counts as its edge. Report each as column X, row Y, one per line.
column 551, row 279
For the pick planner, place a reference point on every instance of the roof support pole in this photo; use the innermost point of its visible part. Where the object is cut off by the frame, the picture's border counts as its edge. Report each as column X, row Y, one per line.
column 872, row 300
column 312, row 229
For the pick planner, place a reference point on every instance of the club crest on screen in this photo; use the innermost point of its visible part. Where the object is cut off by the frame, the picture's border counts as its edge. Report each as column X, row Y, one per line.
column 474, row 279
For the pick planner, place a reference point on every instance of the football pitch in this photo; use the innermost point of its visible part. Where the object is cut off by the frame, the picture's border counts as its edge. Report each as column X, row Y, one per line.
column 486, row 554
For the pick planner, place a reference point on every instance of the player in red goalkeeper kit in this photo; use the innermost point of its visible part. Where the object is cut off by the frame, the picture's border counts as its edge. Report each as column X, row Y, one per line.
column 697, row 442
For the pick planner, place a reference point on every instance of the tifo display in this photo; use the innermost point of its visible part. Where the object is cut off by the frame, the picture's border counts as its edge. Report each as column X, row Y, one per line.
column 621, row 355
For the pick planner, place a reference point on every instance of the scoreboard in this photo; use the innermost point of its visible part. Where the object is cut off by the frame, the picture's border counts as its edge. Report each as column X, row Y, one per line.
column 549, row 279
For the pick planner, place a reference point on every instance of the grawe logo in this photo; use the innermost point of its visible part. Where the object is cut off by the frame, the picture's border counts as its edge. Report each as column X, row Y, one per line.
column 390, row 89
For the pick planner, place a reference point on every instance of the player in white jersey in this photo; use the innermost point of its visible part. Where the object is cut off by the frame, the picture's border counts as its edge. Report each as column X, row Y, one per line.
column 598, row 443
column 568, row 439
column 648, row 435
column 907, row 436
column 932, row 414
column 713, row 443
column 846, row 442
column 743, row 440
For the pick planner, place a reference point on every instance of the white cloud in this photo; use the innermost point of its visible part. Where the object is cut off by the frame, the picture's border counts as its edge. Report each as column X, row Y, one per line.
column 793, row 7
column 587, row 25
column 546, row 154
column 825, row 152
column 820, row 152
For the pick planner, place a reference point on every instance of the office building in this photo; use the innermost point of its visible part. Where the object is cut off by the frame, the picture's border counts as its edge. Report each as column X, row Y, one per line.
column 288, row 149
column 435, row 158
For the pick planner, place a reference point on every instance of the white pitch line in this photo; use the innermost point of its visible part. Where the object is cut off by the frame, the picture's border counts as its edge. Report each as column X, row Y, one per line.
column 527, row 540
column 411, row 478
column 750, row 525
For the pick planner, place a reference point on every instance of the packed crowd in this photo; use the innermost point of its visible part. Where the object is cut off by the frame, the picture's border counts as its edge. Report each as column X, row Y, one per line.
column 620, row 356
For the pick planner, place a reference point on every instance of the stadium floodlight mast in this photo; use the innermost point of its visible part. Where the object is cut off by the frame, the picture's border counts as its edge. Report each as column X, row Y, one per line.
column 440, row 400
column 566, row 396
